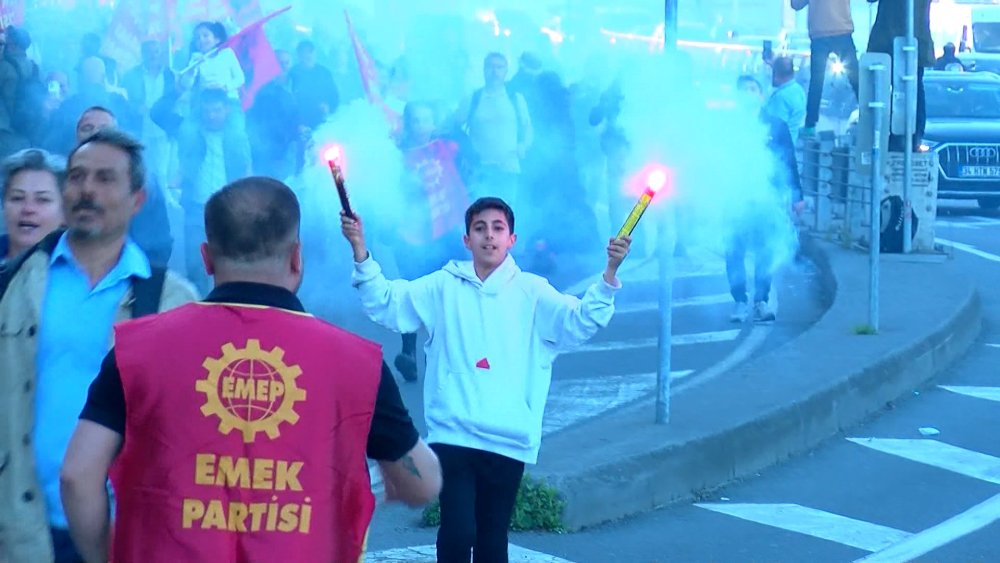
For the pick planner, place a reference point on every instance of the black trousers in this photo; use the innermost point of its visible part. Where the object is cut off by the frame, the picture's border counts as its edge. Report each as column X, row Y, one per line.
column 477, row 501
column 65, row 550
column 821, row 47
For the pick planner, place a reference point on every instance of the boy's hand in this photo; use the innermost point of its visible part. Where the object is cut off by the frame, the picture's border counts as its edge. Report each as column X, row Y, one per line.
column 617, row 250
column 355, row 234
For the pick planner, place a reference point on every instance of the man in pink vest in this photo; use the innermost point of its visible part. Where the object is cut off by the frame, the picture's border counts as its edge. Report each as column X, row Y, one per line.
column 247, row 422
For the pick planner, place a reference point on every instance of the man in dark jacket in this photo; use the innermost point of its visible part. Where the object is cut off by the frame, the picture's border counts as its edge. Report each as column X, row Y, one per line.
column 212, row 150
column 890, row 23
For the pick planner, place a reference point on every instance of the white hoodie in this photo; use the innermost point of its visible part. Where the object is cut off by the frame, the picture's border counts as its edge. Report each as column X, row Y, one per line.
column 491, row 346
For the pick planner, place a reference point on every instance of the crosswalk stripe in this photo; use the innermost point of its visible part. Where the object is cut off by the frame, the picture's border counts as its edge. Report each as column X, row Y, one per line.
column 676, row 340
column 428, row 554
column 573, row 400
column 988, row 393
column 697, row 301
column 969, row 249
column 815, row 523
column 938, row 454
column 917, row 545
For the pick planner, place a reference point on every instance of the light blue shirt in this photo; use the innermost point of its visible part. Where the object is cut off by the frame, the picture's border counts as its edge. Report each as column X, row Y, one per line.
column 788, row 103
column 74, row 336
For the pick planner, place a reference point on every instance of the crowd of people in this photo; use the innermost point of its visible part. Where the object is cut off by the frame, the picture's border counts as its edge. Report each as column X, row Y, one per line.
column 93, row 170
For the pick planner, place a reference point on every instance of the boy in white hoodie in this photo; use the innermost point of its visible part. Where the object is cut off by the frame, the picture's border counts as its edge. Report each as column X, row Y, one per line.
column 494, row 332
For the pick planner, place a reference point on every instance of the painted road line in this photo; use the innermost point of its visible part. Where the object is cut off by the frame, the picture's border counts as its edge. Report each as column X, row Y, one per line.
column 697, row 301
column 575, row 400
column 938, row 454
column 969, row 249
column 917, row 545
column 993, row 345
column 815, row 523
column 988, row 393
column 676, row 340
column 428, row 554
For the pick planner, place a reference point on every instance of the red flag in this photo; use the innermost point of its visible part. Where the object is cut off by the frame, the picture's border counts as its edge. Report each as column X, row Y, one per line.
column 257, row 57
column 369, row 78
column 133, row 22
column 11, row 13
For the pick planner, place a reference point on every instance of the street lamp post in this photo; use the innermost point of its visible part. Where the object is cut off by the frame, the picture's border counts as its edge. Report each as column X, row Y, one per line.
column 665, row 252
column 910, row 82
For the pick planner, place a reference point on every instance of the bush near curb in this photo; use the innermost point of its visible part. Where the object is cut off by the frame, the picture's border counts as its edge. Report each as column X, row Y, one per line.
column 538, row 508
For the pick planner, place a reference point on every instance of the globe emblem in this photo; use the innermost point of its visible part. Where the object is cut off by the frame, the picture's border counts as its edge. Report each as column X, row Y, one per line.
column 251, row 390
column 246, row 389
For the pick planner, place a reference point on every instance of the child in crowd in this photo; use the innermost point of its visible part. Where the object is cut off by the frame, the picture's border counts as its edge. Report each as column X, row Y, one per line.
column 494, row 332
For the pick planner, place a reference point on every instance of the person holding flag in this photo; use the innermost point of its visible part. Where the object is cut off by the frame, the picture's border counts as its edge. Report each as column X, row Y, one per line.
column 212, row 66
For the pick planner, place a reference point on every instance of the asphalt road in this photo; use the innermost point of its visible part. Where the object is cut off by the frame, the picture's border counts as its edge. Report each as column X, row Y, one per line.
column 619, row 365
column 919, row 482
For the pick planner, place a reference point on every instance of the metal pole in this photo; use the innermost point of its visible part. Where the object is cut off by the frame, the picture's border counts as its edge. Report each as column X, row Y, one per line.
column 878, row 106
column 665, row 255
column 910, row 81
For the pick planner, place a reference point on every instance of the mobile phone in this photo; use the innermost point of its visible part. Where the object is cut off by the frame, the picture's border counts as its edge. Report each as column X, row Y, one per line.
column 768, row 50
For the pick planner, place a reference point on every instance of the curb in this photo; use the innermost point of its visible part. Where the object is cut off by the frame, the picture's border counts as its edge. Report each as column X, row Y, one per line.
column 772, row 407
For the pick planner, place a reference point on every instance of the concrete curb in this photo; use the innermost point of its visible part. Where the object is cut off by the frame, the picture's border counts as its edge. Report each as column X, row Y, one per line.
column 774, row 406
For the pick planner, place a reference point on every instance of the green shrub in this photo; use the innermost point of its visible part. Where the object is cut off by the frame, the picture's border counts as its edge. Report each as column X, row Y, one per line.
column 538, row 507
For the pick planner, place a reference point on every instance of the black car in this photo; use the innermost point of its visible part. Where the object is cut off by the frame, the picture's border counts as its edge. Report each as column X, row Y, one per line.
column 963, row 127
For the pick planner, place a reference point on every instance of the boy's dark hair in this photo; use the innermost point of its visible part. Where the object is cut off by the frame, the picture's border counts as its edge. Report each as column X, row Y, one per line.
column 121, row 140
column 252, row 219
column 485, row 203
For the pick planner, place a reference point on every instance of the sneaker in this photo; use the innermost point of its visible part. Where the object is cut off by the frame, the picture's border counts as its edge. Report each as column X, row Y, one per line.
column 762, row 312
column 407, row 366
column 740, row 313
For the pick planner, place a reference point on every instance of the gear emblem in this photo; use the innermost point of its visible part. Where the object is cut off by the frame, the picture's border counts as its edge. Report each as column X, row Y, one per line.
column 251, row 390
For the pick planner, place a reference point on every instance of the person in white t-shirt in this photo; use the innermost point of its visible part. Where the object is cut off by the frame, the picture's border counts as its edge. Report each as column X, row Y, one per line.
column 214, row 68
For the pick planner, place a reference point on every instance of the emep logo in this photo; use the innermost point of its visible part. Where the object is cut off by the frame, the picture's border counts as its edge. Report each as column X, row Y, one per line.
column 983, row 153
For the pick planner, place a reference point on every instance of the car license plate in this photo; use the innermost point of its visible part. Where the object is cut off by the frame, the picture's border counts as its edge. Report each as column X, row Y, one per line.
column 981, row 171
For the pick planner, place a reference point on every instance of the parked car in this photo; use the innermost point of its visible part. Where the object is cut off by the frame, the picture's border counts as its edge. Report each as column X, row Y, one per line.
column 963, row 128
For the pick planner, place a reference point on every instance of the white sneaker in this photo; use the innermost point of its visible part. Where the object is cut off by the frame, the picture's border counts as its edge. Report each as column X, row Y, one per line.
column 762, row 312
column 741, row 312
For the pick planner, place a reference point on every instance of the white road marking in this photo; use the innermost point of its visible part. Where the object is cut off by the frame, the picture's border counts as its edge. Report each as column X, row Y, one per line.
column 676, row 340
column 938, row 454
column 917, row 545
column 815, row 523
column 988, row 393
column 969, row 249
column 696, row 301
column 428, row 554
column 993, row 345
column 573, row 400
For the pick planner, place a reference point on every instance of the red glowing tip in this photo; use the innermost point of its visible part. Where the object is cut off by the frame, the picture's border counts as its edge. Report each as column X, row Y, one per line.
column 657, row 179
column 332, row 154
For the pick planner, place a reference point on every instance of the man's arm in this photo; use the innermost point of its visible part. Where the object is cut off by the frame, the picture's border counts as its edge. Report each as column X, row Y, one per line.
column 527, row 136
column 799, row 4
column 400, row 305
column 410, row 470
column 82, row 487
column 414, row 479
column 784, row 149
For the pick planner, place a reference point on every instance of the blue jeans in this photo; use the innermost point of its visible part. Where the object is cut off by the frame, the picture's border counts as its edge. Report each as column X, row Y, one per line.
column 736, row 269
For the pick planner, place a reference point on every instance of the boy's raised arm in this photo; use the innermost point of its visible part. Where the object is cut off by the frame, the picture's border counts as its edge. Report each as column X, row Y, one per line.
column 399, row 305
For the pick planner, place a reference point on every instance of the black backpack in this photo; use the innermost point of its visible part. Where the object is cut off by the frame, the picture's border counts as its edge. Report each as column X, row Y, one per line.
column 146, row 292
column 892, row 225
column 29, row 102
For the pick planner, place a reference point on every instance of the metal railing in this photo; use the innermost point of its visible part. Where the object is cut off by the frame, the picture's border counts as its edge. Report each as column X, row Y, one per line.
column 838, row 197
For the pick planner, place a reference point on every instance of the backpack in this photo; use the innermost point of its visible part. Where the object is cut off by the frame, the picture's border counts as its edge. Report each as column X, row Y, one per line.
column 29, row 102
column 468, row 160
column 146, row 292
column 892, row 225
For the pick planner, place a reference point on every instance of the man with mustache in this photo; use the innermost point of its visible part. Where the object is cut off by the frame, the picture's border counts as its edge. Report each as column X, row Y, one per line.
column 57, row 306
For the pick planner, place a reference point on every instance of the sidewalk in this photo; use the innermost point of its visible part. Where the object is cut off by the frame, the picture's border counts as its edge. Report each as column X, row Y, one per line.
column 776, row 405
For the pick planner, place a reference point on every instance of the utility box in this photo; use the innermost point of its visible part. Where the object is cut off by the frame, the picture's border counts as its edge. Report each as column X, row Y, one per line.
column 923, row 196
